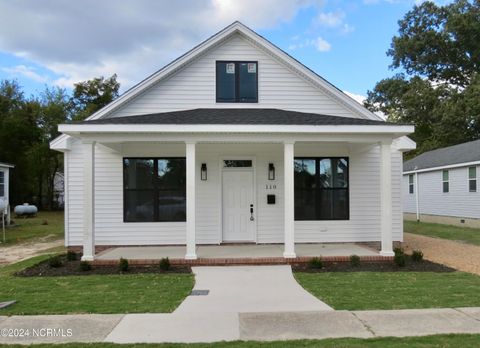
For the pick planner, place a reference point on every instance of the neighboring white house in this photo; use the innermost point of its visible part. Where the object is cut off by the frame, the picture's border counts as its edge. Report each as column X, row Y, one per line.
column 5, row 188
column 237, row 142
column 442, row 185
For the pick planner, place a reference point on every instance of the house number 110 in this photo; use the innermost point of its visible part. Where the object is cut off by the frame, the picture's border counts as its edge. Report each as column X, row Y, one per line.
column 270, row 187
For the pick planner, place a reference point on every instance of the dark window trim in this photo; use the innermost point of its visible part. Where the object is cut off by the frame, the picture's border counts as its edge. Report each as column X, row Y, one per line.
column 331, row 188
column 411, row 184
column 155, row 189
column 237, row 81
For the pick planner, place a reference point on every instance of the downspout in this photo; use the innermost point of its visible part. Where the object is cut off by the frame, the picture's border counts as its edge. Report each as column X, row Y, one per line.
column 416, row 196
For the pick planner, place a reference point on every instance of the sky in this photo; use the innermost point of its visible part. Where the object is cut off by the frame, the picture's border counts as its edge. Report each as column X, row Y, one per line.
column 59, row 43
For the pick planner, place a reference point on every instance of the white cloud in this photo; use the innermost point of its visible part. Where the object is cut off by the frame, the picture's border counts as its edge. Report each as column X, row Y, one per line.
column 330, row 19
column 357, row 97
column 25, row 71
column 321, row 44
column 78, row 40
column 360, row 99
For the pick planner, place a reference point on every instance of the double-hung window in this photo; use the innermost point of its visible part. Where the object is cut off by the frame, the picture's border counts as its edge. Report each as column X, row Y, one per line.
column 445, row 181
column 410, row 184
column 472, row 179
column 321, row 188
column 2, row 183
column 154, row 189
column 237, row 82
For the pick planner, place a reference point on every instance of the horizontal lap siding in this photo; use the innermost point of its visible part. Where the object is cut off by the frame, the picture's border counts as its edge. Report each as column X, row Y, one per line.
column 194, row 86
column 458, row 202
column 364, row 223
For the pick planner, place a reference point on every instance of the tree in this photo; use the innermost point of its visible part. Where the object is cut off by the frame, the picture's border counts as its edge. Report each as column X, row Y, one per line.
column 439, row 51
column 92, row 95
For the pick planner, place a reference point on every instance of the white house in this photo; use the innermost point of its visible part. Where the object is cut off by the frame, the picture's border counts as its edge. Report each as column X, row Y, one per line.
column 441, row 185
column 5, row 189
column 233, row 142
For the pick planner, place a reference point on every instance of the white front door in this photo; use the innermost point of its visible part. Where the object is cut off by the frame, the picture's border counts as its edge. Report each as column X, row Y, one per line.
column 238, row 222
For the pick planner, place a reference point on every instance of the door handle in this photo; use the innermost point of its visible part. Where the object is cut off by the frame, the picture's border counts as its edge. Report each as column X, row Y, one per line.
column 251, row 213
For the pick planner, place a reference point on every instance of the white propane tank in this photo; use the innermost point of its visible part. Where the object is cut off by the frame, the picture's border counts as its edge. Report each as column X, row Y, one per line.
column 25, row 210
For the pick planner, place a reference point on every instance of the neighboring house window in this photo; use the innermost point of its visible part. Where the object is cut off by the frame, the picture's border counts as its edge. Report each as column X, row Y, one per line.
column 321, row 188
column 2, row 183
column 445, row 181
column 154, row 189
column 410, row 183
column 472, row 179
column 237, row 82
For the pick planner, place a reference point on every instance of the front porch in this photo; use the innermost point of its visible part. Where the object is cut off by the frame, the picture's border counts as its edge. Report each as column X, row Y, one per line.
column 240, row 254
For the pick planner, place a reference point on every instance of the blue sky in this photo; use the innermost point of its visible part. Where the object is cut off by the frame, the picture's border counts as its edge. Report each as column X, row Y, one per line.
column 58, row 43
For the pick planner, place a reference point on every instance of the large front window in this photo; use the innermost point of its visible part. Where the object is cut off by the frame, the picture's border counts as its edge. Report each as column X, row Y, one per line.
column 236, row 82
column 154, row 189
column 321, row 188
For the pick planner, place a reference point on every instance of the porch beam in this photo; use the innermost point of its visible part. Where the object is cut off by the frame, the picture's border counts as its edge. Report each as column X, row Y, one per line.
column 191, row 238
column 289, row 223
column 88, row 148
column 386, row 198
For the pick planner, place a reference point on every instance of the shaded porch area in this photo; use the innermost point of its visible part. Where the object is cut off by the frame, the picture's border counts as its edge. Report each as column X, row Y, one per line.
column 240, row 254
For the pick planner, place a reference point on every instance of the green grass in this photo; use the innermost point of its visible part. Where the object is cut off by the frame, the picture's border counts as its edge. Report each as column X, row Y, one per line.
column 444, row 341
column 456, row 233
column 30, row 229
column 392, row 290
column 126, row 293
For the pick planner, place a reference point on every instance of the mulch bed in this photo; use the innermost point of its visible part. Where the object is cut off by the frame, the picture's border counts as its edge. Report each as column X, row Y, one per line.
column 410, row 266
column 43, row 269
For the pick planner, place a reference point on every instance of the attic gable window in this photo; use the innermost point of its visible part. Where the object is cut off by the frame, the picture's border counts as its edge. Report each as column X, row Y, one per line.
column 237, row 82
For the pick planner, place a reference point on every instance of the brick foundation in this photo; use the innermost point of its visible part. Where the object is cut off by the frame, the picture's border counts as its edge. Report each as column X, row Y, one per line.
column 246, row 261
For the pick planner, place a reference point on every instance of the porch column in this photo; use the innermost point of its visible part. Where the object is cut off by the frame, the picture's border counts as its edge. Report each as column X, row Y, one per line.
column 289, row 222
column 191, row 169
column 88, row 148
column 386, row 198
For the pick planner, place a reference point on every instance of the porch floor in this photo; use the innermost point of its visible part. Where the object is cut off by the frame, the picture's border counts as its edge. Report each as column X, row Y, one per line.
column 236, row 251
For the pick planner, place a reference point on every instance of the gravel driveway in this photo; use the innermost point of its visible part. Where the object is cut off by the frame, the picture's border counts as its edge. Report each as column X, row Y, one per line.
column 461, row 256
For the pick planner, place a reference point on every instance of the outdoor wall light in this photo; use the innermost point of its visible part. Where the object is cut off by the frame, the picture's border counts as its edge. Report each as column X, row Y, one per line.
column 271, row 171
column 203, row 172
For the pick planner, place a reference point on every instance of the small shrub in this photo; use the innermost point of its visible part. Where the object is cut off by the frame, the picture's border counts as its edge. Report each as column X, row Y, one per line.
column 417, row 256
column 55, row 262
column 71, row 255
column 355, row 260
column 399, row 260
column 85, row 266
column 316, row 263
column 165, row 264
column 123, row 265
column 45, row 222
column 398, row 251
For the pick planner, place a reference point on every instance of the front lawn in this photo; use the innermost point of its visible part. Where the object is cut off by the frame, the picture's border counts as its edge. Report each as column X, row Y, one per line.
column 46, row 226
column 463, row 234
column 392, row 290
column 444, row 341
column 126, row 293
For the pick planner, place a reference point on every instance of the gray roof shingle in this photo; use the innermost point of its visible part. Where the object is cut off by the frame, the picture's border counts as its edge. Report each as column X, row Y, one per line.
column 456, row 154
column 238, row 117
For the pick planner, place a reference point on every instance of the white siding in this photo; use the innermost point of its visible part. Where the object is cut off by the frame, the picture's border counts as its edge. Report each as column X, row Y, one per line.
column 457, row 202
column 110, row 229
column 194, row 86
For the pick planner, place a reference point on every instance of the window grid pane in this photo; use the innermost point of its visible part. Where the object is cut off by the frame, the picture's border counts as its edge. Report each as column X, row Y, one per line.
column 154, row 189
column 445, row 175
column 321, row 189
column 472, row 172
column 236, row 82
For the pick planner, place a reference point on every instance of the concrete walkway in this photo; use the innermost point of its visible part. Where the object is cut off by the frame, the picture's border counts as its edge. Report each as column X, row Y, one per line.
column 211, row 327
column 241, row 289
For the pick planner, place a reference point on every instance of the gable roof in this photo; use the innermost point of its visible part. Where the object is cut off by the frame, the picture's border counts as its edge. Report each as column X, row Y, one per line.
column 446, row 156
column 237, row 117
column 221, row 36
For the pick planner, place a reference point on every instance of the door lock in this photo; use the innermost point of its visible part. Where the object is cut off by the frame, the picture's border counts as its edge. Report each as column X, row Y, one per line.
column 251, row 213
